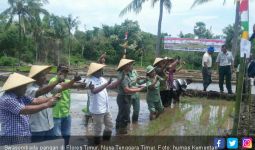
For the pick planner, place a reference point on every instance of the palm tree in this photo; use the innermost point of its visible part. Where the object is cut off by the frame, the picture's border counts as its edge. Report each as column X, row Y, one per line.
column 36, row 23
column 236, row 25
column 136, row 6
column 70, row 23
column 24, row 9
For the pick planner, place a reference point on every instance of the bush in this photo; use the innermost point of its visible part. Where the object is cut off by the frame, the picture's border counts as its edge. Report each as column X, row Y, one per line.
column 8, row 61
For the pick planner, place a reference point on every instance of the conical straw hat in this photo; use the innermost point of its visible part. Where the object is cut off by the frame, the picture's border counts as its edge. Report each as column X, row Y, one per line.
column 123, row 62
column 94, row 67
column 16, row 80
column 157, row 60
column 35, row 69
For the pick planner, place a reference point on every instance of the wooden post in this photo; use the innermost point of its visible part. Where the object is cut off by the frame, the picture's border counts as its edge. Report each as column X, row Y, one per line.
column 239, row 96
column 249, row 104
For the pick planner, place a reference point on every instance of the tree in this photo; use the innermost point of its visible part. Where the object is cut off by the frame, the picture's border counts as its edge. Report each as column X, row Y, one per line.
column 201, row 32
column 55, row 31
column 181, row 35
column 189, row 35
column 70, row 23
column 228, row 35
column 81, row 37
column 25, row 10
column 36, row 24
column 236, row 24
column 136, row 6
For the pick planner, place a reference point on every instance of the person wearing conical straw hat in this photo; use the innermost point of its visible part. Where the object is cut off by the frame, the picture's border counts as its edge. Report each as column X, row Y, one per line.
column 136, row 81
column 160, row 65
column 99, row 101
column 15, row 109
column 61, row 111
column 124, row 96
column 42, row 122
column 153, row 93
column 170, row 70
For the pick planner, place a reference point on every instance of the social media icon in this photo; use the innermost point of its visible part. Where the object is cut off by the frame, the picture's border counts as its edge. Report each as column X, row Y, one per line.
column 246, row 143
column 219, row 143
column 232, row 143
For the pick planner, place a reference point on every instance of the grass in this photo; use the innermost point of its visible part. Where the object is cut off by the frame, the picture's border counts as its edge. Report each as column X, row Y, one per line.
column 173, row 121
column 24, row 69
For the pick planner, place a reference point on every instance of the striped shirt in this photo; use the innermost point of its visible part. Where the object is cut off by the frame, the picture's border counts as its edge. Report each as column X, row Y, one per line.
column 12, row 122
column 225, row 59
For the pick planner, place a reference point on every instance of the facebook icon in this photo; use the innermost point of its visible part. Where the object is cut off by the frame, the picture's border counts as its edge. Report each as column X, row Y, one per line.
column 219, row 143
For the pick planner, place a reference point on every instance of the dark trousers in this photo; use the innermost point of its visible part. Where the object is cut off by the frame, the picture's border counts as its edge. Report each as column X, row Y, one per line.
column 124, row 103
column 225, row 71
column 43, row 136
column 135, row 99
column 207, row 77
column 166, row 98
column 176, row 96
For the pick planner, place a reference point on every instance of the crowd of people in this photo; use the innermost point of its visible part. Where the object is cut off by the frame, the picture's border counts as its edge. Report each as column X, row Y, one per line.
column 32, row 110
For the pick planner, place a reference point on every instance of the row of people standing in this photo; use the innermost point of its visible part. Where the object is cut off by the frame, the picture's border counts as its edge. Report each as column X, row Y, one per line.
column 29, row 109
column 128, row 84
column 26, row 108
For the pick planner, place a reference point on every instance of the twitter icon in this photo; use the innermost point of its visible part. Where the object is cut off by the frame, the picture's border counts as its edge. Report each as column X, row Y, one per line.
column 232, row 143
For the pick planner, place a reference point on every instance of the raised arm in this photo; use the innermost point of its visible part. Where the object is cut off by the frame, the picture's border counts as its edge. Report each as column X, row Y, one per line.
column 34, row 108
column 100, row 88
column 46, row 89
column 129, row 90
column 68, row 85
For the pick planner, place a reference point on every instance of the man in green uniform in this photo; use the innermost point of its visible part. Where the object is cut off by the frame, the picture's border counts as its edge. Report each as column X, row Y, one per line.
column 153, row 93
column 124, row 96
column 135, row 98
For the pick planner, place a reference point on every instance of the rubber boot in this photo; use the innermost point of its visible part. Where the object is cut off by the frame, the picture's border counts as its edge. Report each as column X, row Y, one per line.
column 134, row 118
column 97, row 140
column 122, row 130
column 86, row 120
column 107, row 135
column 152, row 116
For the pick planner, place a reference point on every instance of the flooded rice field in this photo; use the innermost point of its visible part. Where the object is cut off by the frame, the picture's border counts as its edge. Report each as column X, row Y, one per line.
column 193, row 116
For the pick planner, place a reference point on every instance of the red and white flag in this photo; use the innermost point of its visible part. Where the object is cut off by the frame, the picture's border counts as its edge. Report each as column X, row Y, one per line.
column 126, row 35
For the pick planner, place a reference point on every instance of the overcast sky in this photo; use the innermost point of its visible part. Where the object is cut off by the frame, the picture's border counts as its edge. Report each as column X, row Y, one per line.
column 94, row 13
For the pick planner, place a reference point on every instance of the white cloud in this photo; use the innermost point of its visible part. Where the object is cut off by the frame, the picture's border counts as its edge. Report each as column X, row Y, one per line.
column 193, row 20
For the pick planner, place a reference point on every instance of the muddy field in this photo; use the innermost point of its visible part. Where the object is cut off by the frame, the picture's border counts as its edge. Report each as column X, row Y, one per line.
column 194, row 116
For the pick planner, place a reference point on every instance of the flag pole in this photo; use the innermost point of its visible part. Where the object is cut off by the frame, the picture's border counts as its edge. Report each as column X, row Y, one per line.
column 244, row 11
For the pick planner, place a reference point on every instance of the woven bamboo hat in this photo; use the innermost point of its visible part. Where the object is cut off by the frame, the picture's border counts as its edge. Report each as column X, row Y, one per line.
column 124, row 62
column 16, row 80
column 36, row 69
column 157, row 60
column 94, row 67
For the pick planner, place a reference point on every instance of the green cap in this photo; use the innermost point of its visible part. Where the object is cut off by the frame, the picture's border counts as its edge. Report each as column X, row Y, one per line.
column 149, row 69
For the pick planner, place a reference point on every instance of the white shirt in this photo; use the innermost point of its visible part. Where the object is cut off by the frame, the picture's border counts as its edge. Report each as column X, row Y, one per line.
column 43, row 120
column 225, row 59
column 207, row 58
column 99, row 103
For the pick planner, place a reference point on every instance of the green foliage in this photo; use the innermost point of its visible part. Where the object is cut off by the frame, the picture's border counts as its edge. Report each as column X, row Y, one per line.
column 48, row 39
column 228, row 35
column 7, row 61
column 201, row 32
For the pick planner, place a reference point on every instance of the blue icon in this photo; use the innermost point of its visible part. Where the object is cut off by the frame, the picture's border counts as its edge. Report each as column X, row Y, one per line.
column 232, row 143
column 219, row 143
